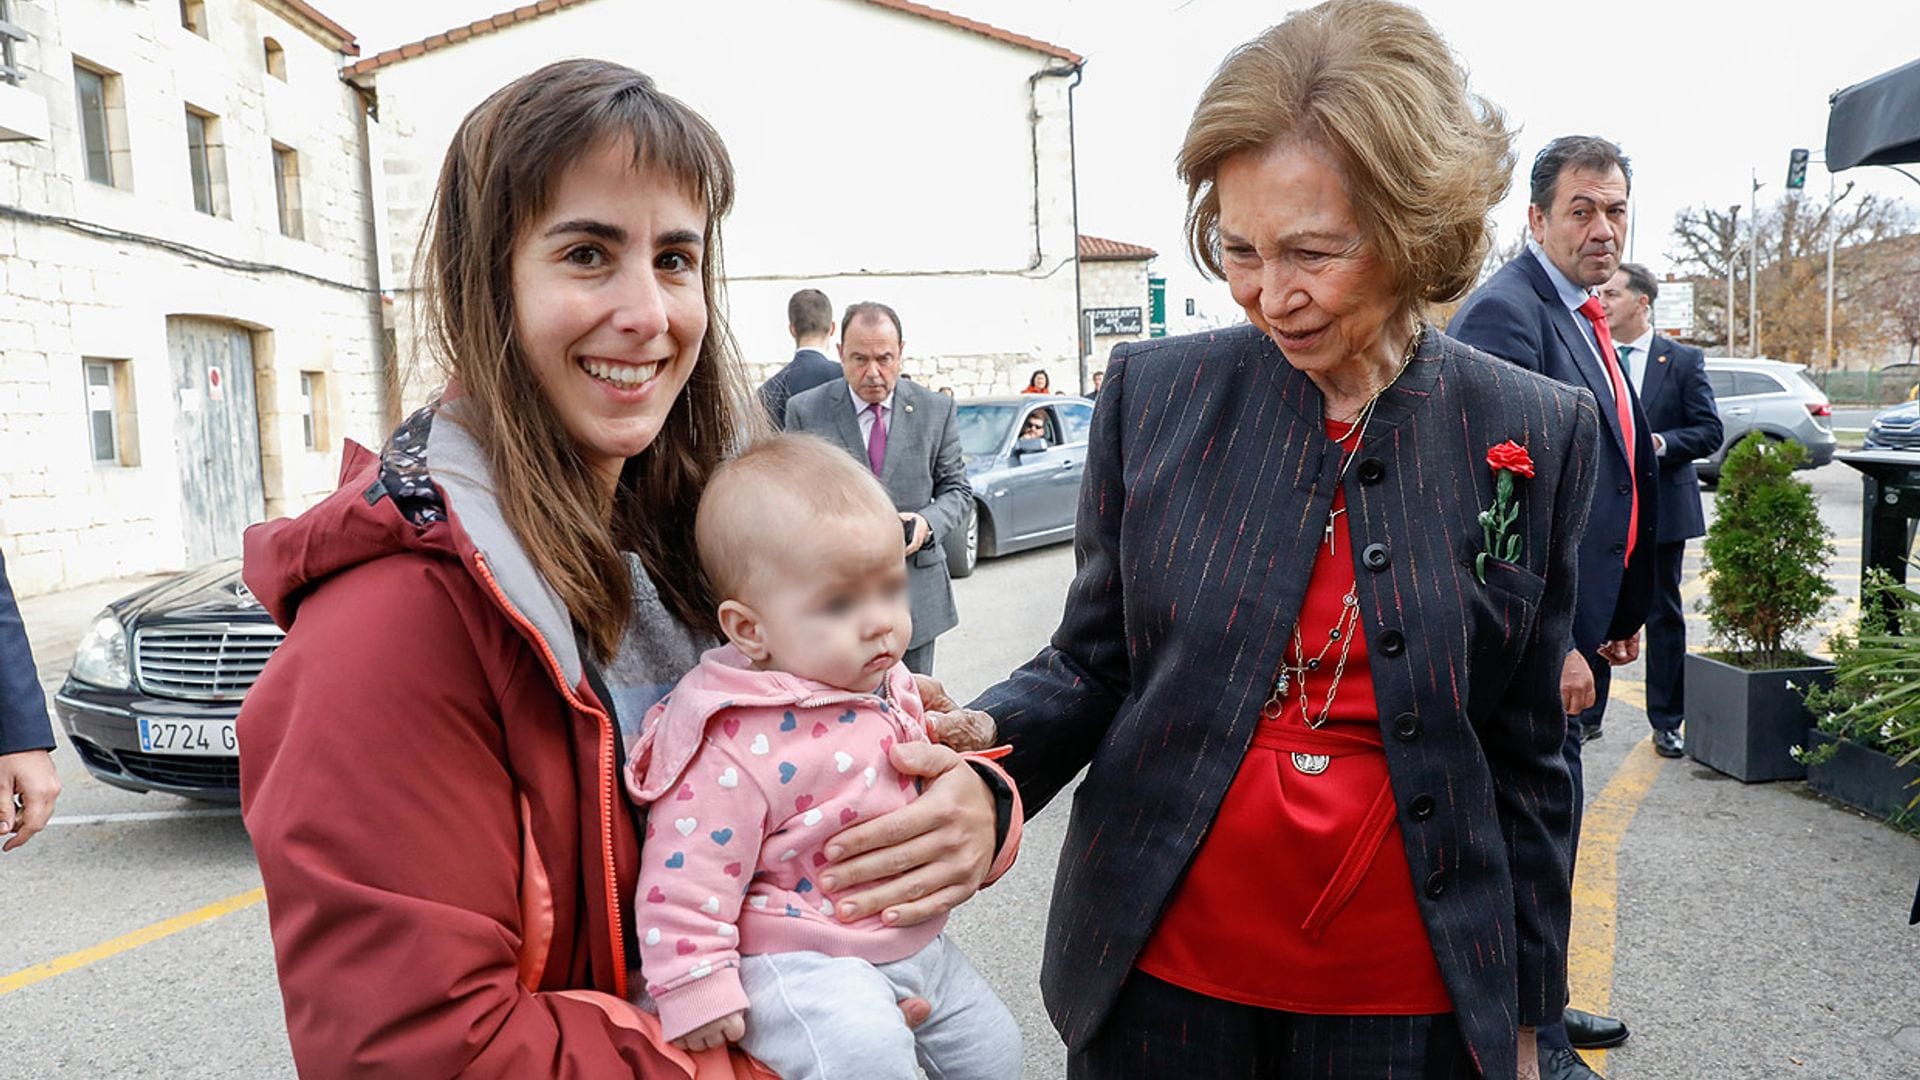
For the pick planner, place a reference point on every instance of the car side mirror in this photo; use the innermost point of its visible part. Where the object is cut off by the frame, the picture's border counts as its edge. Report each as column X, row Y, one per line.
column 1030, row 446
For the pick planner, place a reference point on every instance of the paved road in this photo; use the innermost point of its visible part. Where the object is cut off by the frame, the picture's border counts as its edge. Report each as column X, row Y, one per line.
column 1756, row 931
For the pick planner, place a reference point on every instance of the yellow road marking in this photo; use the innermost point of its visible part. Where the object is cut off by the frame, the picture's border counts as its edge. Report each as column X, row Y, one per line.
column 1596, row 883
column 60, row 965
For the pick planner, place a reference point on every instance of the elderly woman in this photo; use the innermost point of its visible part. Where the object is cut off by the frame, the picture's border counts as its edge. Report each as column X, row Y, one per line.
column 1311, row 658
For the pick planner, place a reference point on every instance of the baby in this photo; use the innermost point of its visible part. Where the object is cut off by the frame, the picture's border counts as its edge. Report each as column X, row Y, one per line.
column 775, row 743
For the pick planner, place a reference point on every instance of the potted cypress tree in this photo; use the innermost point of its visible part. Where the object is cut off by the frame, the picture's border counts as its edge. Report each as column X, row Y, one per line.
column 1865, row 748
column 1766, row 558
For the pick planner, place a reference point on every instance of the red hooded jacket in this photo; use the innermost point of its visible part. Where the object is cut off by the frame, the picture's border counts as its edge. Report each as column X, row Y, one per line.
column 433, row 788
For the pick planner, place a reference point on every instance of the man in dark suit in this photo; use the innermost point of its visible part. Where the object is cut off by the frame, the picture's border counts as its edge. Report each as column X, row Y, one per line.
column 810, row 321
column 28, row 782
column 1672, row 382
column 1538, row 311
column 909, row 436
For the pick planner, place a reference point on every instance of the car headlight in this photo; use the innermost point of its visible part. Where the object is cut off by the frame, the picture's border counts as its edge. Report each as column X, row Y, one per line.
column 101, row 658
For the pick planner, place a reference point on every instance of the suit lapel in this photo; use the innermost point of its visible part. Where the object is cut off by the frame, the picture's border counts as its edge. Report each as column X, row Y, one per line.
column 899, row 432
column 1659, row 359
column 846, row 420
column 1578, row 351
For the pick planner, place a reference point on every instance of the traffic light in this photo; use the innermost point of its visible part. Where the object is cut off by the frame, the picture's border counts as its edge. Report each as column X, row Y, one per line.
column 1797, row 170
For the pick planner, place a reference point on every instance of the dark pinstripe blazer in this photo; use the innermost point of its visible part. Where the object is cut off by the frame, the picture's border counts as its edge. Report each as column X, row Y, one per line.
column 1209, row 477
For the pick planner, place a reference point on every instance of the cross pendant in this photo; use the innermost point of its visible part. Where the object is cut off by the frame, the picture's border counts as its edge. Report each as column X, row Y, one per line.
column 1328, row 532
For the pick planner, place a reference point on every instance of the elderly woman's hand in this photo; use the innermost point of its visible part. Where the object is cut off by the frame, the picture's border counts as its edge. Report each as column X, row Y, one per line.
column 927, row 856
column 951, row 725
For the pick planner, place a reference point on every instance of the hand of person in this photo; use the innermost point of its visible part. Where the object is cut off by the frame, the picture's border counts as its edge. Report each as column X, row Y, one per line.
column 921, row 530
column 927, row 856
column 1529, row 1050
column 728, row 1028
column 951, row 725
column 27, row 776
column 1577, row 694
column 1622, row 652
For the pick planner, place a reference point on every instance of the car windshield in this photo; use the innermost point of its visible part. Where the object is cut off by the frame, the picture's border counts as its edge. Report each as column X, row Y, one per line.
column 983, row 428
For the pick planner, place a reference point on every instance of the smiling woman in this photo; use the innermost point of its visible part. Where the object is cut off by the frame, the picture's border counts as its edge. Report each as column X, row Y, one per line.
column 1323, row 827
column 480, row 616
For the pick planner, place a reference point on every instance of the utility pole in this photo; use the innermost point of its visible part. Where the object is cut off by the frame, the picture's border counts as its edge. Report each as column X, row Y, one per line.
column 1733, row 247
column 1830, row 241
column 1753, row 266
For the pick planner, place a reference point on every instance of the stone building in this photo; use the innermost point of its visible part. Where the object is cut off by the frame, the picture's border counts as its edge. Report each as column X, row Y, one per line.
column 192, row 321
column 885, row 151
column 1113, row 295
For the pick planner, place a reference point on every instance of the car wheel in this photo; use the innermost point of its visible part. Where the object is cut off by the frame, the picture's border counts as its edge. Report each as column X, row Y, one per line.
column 963, row 548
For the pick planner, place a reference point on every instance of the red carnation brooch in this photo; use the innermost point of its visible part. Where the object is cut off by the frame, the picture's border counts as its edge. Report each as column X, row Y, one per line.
column 1507, row 461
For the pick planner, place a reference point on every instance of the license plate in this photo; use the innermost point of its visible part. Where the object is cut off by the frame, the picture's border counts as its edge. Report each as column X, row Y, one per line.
column 191, row 738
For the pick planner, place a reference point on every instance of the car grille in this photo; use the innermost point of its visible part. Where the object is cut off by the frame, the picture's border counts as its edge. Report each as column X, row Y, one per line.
column 1900, row 434
column 206, row 773
column 203, row 662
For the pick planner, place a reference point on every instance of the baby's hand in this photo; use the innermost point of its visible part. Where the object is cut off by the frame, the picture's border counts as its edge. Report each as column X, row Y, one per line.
column 728, row 1028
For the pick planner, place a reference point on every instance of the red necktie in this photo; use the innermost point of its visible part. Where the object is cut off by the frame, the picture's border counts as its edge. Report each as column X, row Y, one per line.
column 1622, row 407
column 877, row 439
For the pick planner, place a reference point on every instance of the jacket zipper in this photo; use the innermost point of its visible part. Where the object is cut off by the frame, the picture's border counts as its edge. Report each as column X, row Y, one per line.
column 610, row 875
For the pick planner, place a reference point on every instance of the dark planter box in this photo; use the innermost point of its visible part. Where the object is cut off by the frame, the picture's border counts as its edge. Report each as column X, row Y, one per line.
column 1746, row 723
column 1862, row 778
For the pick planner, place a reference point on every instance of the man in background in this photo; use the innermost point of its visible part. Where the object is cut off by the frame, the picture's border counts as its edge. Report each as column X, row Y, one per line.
column 810, row 321
column 1672, row 381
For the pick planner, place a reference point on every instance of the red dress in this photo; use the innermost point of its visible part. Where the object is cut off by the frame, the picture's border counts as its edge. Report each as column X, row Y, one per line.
column 1300, row 898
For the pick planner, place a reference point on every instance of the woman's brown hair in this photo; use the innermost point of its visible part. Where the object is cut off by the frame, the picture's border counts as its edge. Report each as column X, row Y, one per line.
column 498, row 176
column 1372, row 83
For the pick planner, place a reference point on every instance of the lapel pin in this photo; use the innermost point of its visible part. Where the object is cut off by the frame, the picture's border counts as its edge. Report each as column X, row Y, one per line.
column 909, row 408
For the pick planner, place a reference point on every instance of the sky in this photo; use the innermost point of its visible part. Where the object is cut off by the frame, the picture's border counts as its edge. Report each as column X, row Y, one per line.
column 1699, row 93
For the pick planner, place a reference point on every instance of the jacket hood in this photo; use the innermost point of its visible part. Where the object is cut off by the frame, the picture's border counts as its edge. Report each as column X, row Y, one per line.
column 427, row 492
column 726, row 679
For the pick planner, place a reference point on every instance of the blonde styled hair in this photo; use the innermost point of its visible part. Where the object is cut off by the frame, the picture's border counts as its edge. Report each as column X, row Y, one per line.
column 497, row 178
column 776, row 485
column 1373, row 84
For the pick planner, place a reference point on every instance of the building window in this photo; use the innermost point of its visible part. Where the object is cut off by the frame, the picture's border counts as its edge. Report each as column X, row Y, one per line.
column 206, row 162
column 10, row 32
column 96, row 131
column 111, row 427
column 276, row 59
column 313, row 410
column 286, row 190
column 193, row 16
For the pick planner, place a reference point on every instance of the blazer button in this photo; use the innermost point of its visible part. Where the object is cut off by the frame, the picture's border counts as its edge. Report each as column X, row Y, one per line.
column 1391, row 643
column 1371, row 471
column 1421, row 807
column 1626, row 489
column 1436, row 884
column 1406, row 727
column 1375, row 557
column 1619, row 549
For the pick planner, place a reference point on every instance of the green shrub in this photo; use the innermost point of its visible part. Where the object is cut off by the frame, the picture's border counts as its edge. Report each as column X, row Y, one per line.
column 1875, row 697
column 1766, row 555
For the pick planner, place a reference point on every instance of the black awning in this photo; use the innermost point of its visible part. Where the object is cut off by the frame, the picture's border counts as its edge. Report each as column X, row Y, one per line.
column 1876, row 122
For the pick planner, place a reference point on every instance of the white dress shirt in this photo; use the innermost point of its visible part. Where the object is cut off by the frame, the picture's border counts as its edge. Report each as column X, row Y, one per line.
column 1636, row 360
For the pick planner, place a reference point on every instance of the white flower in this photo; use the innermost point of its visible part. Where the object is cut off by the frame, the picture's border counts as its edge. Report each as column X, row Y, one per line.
column 1886, row 731
column 1799, row 753
column 1791, row 686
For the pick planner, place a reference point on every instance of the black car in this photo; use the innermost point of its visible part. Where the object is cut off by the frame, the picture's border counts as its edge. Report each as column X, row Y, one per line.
column 156, row 684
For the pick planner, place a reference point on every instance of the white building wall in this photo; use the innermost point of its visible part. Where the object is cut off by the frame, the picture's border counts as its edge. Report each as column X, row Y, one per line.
column 1113, row 283
column 74, row 293
column 891, row 159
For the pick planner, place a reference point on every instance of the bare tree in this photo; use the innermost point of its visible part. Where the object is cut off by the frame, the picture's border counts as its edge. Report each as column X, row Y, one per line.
column 1792, row 282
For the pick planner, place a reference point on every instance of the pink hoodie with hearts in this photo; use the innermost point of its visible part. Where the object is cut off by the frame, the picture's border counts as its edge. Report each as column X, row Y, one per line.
column 745, row 775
